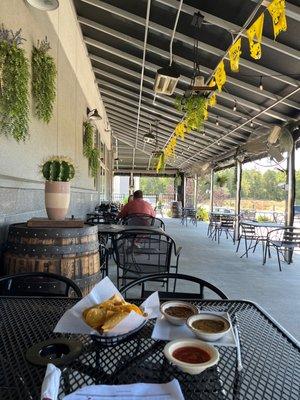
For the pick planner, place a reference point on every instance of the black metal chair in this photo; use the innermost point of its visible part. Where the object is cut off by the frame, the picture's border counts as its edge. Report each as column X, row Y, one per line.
column 248, row 233
column 225, row 225
column 174, row 295
column 143, row 252
column 41, row 284
column 189, row 214
column 285, row 239
column 143, row 220
column 214, row 219
column 104, row 254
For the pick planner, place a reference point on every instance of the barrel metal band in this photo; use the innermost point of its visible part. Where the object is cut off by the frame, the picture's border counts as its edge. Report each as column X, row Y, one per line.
column 17, row 248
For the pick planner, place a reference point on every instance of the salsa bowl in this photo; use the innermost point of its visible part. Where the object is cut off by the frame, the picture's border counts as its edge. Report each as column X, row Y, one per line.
column 177, row 312
column 191, row 355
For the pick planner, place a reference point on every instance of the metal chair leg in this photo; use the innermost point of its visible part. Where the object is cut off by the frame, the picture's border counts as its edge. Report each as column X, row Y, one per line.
column 238, row 245
column 278, row 258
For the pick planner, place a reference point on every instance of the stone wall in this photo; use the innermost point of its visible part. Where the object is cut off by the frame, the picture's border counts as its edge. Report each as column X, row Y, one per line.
column 21, row 185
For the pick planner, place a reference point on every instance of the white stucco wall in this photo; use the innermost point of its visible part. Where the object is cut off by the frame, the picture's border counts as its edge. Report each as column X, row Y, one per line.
column 76, row 89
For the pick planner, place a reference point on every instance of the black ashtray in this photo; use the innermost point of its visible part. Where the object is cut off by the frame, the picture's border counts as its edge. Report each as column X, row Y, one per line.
column 59, row 351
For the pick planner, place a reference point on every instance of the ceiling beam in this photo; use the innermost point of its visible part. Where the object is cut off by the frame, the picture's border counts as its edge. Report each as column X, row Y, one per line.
column 153, row 67
column 119, row 121
column 229, row 26
column 179, row 92
column 187, row 63
column 186, row 39
column 214, row 133
column 166, row 99
column 172, row 114
column 116, row 105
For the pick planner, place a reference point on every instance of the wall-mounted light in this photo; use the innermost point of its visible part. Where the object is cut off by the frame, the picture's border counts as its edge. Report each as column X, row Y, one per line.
column 217, row 121
column 261, row 87
column 44, row 5
column 93, row 114
column 234, row 106
column 166, row 80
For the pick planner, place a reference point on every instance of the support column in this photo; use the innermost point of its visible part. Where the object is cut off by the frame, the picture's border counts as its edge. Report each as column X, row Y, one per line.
column 211, row 199
column 181, row 189
column 290, row 202
column 238, row 174
column 195, row 191
column 131, row 183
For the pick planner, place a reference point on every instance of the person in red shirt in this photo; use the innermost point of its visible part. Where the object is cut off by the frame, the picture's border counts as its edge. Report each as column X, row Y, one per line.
column 137, row 206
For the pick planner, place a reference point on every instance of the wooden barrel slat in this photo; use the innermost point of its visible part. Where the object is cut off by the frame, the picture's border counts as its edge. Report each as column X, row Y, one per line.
column 71, row 252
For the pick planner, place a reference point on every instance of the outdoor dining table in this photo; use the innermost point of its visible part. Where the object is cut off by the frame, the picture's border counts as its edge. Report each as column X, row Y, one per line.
column 270, row 356
column 116, row 229
column 262, row 228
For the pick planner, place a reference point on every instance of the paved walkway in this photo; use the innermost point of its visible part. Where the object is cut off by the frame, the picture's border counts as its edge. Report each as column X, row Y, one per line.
column 277, row 292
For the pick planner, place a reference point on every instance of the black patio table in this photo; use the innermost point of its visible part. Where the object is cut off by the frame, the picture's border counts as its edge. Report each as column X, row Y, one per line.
column 115, row 229
column 270, row 357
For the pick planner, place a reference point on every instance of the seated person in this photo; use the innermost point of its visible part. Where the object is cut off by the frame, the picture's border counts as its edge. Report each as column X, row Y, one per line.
column 137, row 206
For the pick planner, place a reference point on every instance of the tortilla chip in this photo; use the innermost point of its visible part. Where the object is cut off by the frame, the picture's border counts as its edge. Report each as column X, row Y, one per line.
column 95, row 317
column 114, row 320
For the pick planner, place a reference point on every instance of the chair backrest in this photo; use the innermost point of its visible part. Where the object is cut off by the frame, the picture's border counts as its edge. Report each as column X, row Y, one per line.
column 227, row 222
column 285, row 235
column 214, row 218
column 41, row 284
column 142, row 252
column 248, row 230
column 175, row 295
column 143, row 220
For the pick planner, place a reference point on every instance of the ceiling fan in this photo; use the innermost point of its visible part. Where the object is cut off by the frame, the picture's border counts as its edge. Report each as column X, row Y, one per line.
column 274, row 141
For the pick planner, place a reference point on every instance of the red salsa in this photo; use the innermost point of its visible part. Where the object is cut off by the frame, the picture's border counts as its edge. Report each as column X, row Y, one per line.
column 191, row 355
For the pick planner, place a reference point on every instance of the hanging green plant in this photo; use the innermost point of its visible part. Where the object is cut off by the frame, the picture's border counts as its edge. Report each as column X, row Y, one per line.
column 195, row 109
column 88, row 139
column 43, row 80
column 14, row 82
column 160, row 166
column 221, row 180
column 94, row 162
column 90, row 151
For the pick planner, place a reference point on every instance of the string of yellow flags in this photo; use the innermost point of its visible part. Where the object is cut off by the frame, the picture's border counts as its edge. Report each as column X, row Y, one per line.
column 276, row 10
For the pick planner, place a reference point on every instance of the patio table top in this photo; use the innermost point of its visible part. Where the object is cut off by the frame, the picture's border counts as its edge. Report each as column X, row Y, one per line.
column 270, row 357
column 263, row 224
column 114, row 229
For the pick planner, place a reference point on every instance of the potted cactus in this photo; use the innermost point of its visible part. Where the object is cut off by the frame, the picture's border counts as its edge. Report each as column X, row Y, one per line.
column 58, row 171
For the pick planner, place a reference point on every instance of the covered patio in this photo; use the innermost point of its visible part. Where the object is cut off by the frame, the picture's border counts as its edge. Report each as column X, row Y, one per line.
column 97, row 291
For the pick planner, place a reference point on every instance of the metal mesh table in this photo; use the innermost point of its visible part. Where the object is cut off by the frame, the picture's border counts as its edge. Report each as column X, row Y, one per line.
column 271, row 358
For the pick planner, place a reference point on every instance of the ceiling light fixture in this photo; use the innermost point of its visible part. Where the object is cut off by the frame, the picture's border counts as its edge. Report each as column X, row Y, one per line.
column 261, row 84
column 234, row 106
column 251, row 124
column 166, row 80
column 44, row 5
column 217, row 121
column 93, row 114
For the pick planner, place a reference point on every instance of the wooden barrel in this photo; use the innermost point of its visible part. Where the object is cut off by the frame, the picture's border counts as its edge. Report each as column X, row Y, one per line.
column 71, row 252
column 176, row 209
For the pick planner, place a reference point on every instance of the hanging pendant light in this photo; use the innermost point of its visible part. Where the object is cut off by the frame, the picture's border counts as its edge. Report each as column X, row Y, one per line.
column 44, row 5
column 166, row 80
column 150, row 137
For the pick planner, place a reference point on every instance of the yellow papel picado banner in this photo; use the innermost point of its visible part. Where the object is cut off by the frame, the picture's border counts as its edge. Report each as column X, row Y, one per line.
column 255, row 36
column 277, row 11
column 234, row 55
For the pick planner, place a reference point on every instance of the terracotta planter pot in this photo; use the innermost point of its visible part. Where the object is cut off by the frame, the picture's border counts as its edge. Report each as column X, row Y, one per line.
column 57, row 199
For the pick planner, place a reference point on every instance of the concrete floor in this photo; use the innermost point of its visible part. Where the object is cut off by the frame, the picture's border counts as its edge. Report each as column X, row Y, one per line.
column 239, row 278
